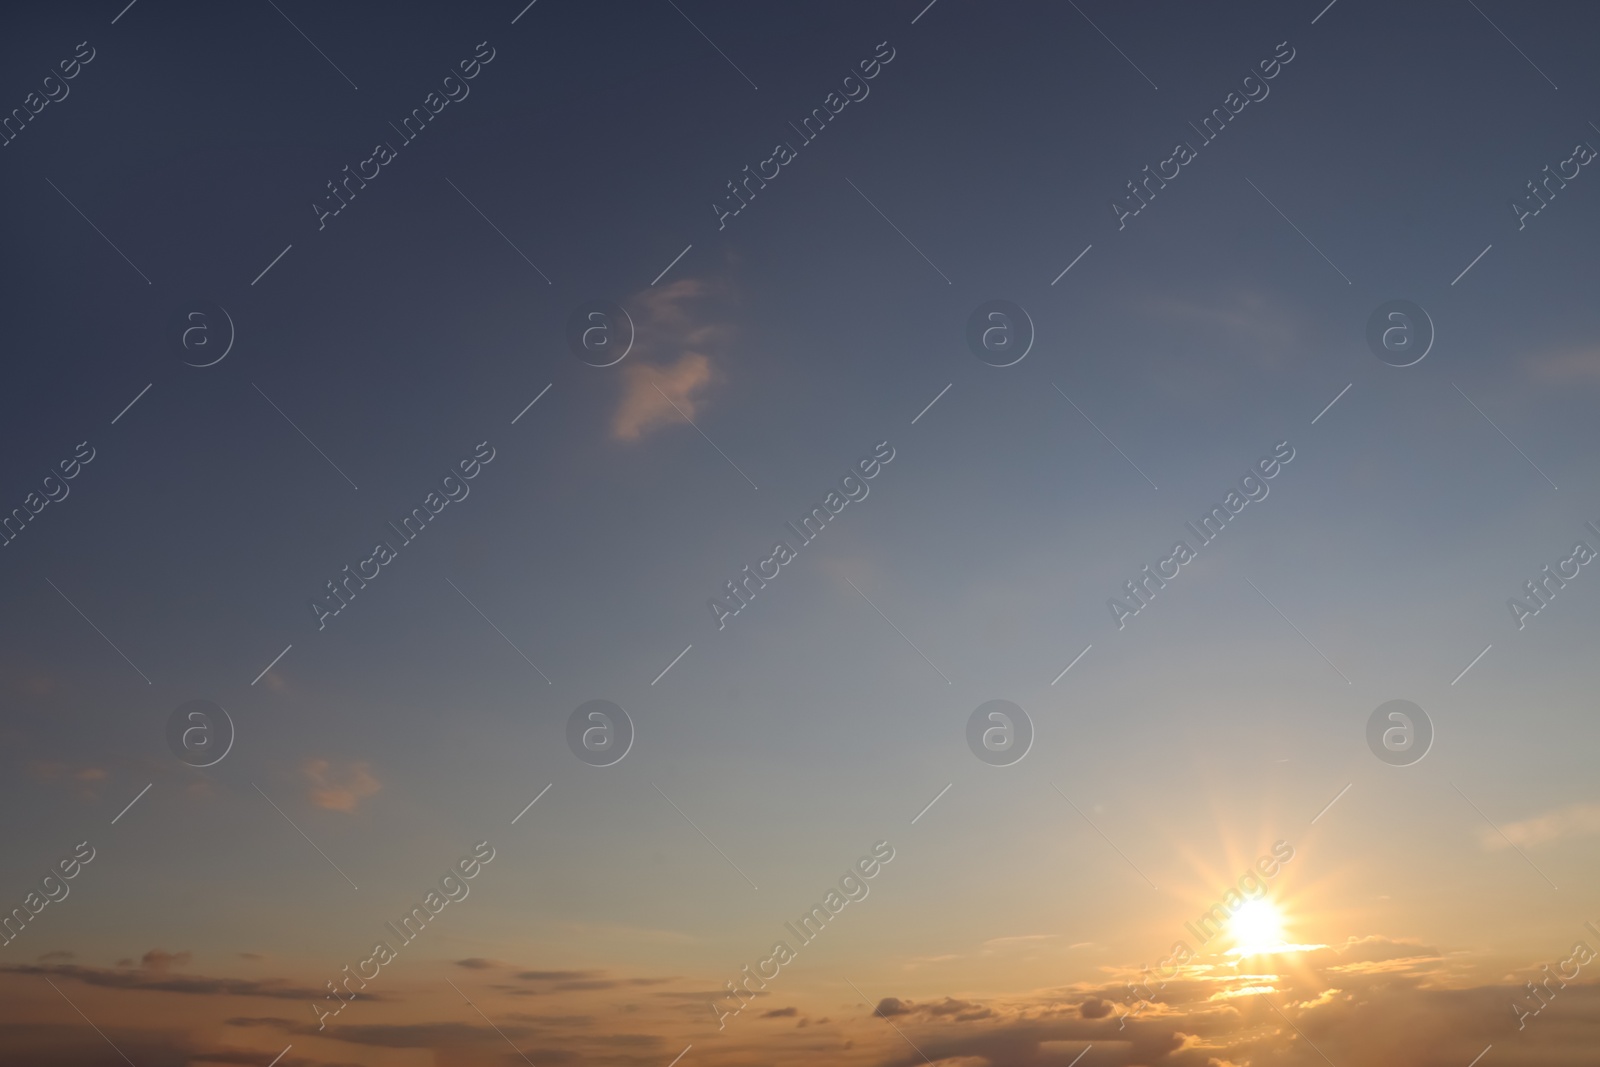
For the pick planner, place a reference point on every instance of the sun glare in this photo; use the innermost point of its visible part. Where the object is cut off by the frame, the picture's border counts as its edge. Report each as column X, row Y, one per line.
column 1256, row 927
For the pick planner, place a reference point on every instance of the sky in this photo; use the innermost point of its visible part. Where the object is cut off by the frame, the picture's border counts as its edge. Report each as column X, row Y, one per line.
column 608, row 301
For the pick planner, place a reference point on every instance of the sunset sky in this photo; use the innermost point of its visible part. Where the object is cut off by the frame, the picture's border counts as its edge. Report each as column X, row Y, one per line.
column 413, row 342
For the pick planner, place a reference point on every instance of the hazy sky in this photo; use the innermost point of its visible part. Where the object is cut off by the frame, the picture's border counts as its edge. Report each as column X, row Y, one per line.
column 402, row 217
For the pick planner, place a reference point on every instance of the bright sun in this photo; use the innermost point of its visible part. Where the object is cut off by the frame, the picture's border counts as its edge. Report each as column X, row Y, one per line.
column 1256, row 927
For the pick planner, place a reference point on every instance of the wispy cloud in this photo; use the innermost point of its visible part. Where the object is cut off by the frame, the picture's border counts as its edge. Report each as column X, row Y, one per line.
column 336, row 788
column 1575, row 820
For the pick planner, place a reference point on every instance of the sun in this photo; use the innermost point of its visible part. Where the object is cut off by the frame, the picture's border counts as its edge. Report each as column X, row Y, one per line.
column 1257, row 928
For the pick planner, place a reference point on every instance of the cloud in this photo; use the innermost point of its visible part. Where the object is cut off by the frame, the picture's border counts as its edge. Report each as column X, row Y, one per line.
column 1576, row 367
column 1575, row 820
column 160, row 982
column 649, row 393
column 157, row 961
column 476, row 963
column 675, row 340
column 780, row 1013
column 336, row 789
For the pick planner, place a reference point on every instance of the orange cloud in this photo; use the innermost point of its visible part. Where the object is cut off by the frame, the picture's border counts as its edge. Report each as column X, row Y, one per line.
column 672, row 360
column 335, row 789
column 649, row 393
